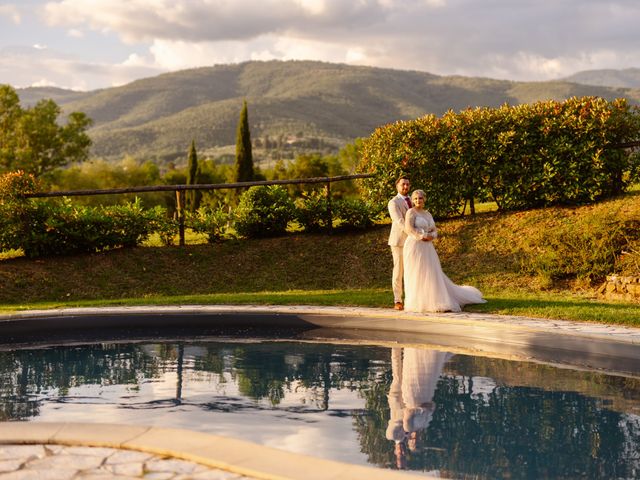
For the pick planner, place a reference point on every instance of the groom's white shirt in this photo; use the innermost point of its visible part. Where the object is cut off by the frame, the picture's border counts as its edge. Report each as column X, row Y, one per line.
column 397, row 209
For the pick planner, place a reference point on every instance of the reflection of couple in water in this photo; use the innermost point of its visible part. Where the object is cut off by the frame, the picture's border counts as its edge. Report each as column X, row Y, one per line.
column 415, row 376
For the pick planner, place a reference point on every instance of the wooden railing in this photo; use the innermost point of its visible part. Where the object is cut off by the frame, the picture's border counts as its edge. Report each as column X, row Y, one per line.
column 181, row 189
column 634, row 144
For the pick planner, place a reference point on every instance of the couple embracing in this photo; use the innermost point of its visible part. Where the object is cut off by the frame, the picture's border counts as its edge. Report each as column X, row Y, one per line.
column 415, row 260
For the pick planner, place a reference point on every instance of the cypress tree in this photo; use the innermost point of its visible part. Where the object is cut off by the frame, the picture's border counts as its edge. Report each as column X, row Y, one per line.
column 244, row 158
column 193, row 197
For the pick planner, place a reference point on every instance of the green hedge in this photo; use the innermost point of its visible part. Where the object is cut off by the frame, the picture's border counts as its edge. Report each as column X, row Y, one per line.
column 314, row 212
column 263, row 211
column 45, row 228
column 58, row 227
column 521, row 157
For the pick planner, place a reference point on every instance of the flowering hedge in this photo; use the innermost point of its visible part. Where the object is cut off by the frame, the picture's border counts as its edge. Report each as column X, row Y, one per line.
column 521, row 157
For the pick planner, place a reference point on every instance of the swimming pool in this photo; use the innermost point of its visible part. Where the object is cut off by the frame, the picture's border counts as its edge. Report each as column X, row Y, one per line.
column 419, row 409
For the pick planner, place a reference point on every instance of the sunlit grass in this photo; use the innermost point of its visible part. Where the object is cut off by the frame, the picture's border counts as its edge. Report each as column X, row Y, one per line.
column 190, row 238
column 482, row 207
column 8, row 254
column 354, row 298
column 539, row 305
column 559, row 305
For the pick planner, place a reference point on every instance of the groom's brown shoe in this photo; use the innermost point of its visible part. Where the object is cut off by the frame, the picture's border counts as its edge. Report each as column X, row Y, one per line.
column 398, row 306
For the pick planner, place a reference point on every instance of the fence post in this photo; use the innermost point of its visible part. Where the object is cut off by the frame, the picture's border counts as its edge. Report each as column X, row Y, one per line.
column 180, row 214
column 329, row 213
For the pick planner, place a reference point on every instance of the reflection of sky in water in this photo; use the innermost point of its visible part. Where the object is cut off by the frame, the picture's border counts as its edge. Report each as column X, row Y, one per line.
column 295, row 424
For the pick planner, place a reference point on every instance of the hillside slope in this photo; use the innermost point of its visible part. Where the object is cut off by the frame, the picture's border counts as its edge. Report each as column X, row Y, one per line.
column 527, row 251
column 158, row 117
column 626, row 78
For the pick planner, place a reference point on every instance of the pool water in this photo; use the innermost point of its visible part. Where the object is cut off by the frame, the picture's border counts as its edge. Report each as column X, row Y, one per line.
column 456, row 416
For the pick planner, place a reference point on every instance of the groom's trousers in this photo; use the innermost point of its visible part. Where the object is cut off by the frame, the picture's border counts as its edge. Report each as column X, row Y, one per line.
column 398, row 272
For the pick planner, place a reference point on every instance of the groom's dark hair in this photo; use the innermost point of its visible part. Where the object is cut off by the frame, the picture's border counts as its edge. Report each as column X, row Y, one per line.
column 403, row 177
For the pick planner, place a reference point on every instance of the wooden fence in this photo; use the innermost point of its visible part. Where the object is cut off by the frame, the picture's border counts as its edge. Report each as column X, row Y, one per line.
column 181, row 189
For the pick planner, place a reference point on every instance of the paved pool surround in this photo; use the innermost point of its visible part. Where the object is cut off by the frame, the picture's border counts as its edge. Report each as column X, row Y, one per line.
column 609, row 348
column 225, row 458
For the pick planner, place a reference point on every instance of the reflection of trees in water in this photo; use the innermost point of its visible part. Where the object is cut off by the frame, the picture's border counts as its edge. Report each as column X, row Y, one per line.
column 371, row 427
column 523, row 432
column 620, row 393
column 27, row 374
column 269, row 370
column 261, row 370
column 14, row 386
column 510, row 432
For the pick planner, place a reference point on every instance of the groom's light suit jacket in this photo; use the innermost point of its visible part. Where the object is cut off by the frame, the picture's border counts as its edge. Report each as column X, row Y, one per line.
column 397, row 209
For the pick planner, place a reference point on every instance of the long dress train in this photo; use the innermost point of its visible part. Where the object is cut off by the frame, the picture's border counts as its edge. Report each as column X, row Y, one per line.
column 427, row 288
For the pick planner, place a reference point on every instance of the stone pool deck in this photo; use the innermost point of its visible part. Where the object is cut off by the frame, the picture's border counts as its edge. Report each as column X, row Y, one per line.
column 98, row 451
column 60, row 462
column 64, row 451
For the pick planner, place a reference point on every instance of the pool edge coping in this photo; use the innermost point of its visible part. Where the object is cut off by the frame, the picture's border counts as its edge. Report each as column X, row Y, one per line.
column 610, row 332
column 511, row 337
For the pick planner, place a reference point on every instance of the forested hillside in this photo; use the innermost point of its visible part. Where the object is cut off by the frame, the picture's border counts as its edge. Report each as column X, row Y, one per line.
column 317, row 106
column 628, row 77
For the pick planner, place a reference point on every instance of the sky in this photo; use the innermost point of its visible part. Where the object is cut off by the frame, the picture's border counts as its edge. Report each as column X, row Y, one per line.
column 91, row 44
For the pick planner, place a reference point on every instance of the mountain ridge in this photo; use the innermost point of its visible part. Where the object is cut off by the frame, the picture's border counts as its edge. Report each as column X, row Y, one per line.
column 158, row 117
column 623, row 78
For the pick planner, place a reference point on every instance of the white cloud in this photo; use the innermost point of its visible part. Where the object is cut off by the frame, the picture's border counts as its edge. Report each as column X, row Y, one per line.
column 523, row 40
column 43, row 82
column 529, row 39
column 75, row 33
column 172, row 55
column 211, row 20
column 177, row 55
column 12, row 12
column 32, row 66
column 355, row 55
column 315, row 7
column 135, row 60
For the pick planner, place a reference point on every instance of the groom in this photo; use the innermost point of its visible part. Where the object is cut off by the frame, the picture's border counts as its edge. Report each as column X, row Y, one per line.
column 398, row 206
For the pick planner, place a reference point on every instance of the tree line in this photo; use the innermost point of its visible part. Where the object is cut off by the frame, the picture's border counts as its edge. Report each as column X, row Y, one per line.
column 35, row 141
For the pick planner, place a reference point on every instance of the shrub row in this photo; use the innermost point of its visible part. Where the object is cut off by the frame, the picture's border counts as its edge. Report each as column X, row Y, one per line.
column 56, row 227
column 267, row 211
column 46, row 228
column 521, row 157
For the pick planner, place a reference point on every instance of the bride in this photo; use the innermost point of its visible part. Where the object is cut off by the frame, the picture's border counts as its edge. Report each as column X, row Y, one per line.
column 427, row 288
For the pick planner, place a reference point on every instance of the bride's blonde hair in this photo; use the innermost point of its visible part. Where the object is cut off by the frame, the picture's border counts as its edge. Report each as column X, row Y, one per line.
column 421, row 192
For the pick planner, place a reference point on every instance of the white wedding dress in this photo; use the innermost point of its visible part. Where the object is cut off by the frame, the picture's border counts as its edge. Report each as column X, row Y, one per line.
column 421, row 371
column 427, row 288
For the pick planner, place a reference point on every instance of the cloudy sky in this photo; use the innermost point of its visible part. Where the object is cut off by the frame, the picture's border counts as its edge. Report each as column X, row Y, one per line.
column 89, row 44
